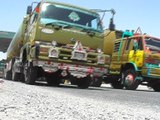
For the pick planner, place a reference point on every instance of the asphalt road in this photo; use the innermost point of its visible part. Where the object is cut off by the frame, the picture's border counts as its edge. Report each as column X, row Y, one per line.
column 40, row 102
column 143, row 95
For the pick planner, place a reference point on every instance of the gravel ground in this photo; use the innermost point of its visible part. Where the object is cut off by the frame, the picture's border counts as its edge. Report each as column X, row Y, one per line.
column 19, row 101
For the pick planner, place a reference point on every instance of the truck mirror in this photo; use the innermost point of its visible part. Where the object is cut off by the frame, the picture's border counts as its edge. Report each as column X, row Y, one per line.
column 135, row 45
column 111, row 25
column 29, row 9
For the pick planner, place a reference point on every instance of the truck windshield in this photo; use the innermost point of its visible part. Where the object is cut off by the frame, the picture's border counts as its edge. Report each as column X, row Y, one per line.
column 52, row 13
column 153, row 44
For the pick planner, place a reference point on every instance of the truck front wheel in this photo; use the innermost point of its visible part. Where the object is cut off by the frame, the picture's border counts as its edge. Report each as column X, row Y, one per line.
column 116, row 83
column 84, row 83
column 8, row 75
column 129, row 79
column 156, row 86
column 15, row 76
column 30, row 73
column 96, row 82
column 53, row 79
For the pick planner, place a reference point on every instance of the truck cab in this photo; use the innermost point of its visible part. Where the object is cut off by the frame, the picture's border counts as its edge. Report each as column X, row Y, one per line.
column 135, row 60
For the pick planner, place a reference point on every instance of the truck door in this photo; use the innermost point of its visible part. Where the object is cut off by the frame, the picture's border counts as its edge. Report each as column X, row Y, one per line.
column 136, row 55
column 126, row 50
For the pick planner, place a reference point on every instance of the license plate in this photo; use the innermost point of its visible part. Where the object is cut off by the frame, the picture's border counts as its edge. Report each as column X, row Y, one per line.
column 79, row 56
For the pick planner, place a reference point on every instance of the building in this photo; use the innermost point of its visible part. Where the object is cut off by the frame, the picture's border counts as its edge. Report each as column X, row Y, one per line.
column 5, row 39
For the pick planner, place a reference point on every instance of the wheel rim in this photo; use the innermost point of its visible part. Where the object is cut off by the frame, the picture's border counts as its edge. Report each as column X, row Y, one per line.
column 129, row 79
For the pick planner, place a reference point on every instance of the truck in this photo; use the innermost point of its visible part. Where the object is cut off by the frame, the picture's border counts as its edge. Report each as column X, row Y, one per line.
column 135, row 59
column 57, row 41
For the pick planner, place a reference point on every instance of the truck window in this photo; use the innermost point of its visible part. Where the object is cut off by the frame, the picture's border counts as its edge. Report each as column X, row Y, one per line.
column 137, row 44
column 54, row 13
column 153, row 44
column 128, row 43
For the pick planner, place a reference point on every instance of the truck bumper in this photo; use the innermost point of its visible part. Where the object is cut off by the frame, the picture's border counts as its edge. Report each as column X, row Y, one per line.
column 79, row 71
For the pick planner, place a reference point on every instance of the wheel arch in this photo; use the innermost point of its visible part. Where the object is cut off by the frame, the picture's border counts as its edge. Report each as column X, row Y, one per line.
column 129, row 65
column 23, row 54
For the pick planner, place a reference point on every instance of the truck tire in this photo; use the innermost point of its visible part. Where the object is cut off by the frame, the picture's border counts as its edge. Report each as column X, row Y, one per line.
column 156, row 86
column 22, row 78
column 15, row 76
column 73, row 82
column 117, row 84
column 8, row 75
column 30, row 73
column 96, row 82
column 84, row 83
column 53, row 79
column 129, row 80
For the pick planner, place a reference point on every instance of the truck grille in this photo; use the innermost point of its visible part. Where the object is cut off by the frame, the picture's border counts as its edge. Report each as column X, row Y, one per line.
column 65, row 54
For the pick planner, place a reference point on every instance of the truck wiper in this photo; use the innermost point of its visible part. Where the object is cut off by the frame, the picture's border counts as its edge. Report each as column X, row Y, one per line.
column 58, row 23
column 91, row 32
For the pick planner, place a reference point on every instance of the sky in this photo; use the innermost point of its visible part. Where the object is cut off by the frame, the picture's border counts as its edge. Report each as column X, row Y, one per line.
column 130, row 14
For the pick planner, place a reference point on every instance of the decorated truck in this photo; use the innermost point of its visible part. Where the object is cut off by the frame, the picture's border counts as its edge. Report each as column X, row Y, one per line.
column 57, row 41
column 135, row 59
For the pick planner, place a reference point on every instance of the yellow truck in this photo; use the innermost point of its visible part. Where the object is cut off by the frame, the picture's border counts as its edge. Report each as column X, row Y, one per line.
column 135, row 59
column 57, row 41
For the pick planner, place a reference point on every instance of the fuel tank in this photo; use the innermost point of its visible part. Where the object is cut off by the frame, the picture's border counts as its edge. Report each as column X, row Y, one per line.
column 109, row 37
column 17, row 41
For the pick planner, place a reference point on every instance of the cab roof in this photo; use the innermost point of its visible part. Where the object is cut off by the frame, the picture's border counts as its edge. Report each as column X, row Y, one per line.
column 69, row 5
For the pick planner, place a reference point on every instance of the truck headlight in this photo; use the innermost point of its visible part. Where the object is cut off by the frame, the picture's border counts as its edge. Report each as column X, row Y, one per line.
column 99, row 50
column 54, row 43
